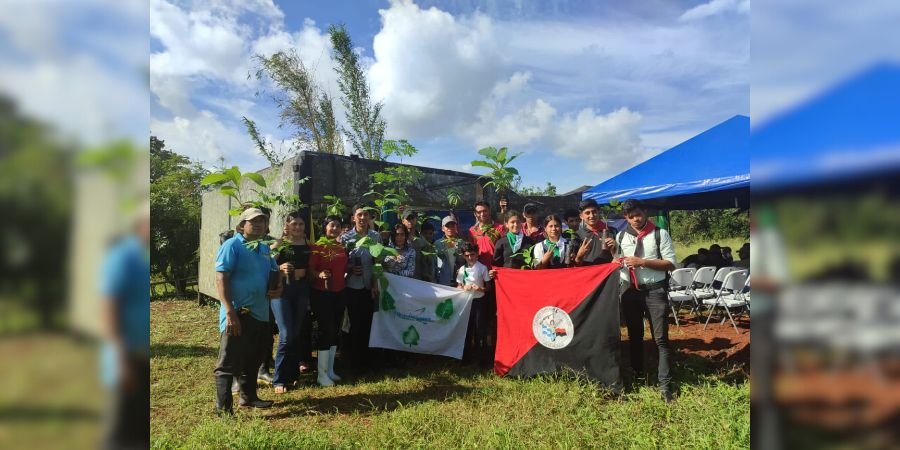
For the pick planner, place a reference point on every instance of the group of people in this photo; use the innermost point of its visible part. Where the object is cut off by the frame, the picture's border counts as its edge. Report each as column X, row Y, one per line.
column 334, row 275
column 718, row 257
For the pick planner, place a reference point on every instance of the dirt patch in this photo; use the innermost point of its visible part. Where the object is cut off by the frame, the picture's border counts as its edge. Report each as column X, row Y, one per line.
column 719, row 343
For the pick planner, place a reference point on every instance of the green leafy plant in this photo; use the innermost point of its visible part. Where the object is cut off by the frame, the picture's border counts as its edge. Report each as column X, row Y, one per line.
column 228, row 182
column 527, row 255
column 335, row 206
column 379, row 252
column 498, row 162
column 399, row 148
column 389, row 191
column 453, row 198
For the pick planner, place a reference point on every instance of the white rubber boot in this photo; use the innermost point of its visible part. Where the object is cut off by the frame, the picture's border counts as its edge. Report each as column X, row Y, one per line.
column 322, row 375
column 331, row 352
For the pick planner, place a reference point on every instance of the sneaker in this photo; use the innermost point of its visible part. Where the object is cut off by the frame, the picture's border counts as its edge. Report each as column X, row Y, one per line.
column 305, row 368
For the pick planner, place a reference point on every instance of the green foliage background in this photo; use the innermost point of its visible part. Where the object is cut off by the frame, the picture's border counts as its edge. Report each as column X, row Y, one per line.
column 175, row 207
column 709, row 225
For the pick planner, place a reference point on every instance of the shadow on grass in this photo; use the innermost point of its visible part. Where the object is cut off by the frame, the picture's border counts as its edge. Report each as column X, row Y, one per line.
column 688, row 368
column 181, row 351
column 439, row 387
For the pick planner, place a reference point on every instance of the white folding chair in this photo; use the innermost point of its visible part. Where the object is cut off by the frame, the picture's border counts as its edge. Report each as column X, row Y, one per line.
column 711, row 289
column 703, row 279
column 733, row 284
column 680, row 290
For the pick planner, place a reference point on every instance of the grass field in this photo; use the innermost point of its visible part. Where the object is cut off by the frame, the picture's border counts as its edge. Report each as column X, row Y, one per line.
column 438, row 403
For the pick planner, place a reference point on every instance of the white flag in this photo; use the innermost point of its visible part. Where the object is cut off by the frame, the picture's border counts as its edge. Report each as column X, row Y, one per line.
column 421, row 317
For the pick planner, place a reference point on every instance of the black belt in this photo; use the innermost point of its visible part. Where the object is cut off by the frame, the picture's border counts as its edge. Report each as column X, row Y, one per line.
column 661, row 284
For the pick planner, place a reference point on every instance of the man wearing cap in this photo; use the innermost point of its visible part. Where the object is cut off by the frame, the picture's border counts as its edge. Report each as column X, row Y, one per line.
column 242, row 276
column 425, row 269
column 449, row 250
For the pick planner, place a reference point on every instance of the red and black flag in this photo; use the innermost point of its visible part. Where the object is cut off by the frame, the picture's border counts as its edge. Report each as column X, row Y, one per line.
column 548, row 320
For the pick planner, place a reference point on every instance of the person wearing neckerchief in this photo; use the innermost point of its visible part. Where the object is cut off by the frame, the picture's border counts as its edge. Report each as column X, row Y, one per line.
column 552, row 252
column 509, row 249
column 589, row 243
column 485, row 233
column 644, row 283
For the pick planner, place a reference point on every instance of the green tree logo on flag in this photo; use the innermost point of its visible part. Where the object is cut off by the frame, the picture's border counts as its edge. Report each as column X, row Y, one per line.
column 387, row 302
column 444, row 309
column 411, row 336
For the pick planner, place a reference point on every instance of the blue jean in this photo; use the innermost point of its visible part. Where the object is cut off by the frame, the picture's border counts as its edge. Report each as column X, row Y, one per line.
column 289, row 311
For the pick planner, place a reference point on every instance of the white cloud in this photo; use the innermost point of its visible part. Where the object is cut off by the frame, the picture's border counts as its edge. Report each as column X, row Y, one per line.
column 89, row 88
column 604, row 142
column 714, row 8
column 425, row 70
column 200, row 76
column 78, row 96
column 206, row 138
column 521, row 127
column 432, row 69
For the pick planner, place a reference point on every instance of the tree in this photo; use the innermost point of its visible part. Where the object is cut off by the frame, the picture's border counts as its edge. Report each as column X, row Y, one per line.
column 36, row 186
column 709, row 224
column 550, row 190
column 175, row 207
column 331, row 133
column 301, row 102
column 366, row 131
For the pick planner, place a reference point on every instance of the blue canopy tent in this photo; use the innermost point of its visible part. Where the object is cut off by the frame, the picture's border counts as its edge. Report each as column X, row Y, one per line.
column 708, row 171
column 850, row 134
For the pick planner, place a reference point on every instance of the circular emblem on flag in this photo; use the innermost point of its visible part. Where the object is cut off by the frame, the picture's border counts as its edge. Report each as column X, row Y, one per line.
column 552, row 327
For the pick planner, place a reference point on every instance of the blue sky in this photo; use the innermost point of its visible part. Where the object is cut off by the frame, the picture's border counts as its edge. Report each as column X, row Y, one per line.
column 583, row 89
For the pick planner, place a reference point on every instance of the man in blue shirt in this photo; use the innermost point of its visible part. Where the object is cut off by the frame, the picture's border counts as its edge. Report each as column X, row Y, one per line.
column 125, row 357
column 242, row 276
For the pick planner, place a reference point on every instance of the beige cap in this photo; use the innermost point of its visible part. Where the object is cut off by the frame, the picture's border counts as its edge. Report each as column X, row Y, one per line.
column 251, row 213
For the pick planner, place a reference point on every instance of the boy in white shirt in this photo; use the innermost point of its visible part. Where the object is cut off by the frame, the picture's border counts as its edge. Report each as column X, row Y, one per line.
column 472, row 277
column 474, row 274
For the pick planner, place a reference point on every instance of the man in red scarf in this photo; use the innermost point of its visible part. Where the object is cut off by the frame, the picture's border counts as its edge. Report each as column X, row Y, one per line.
column 594, row 240
column 484, row 234
column 648, row 253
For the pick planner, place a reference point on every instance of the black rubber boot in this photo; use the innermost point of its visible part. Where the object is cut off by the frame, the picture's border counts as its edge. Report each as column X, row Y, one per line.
column 224, row 401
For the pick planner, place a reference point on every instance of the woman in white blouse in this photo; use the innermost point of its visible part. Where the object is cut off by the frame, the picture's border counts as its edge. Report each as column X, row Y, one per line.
column 554, row 251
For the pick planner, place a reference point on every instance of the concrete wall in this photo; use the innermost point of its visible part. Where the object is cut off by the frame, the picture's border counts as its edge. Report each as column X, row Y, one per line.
column 214, row 219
